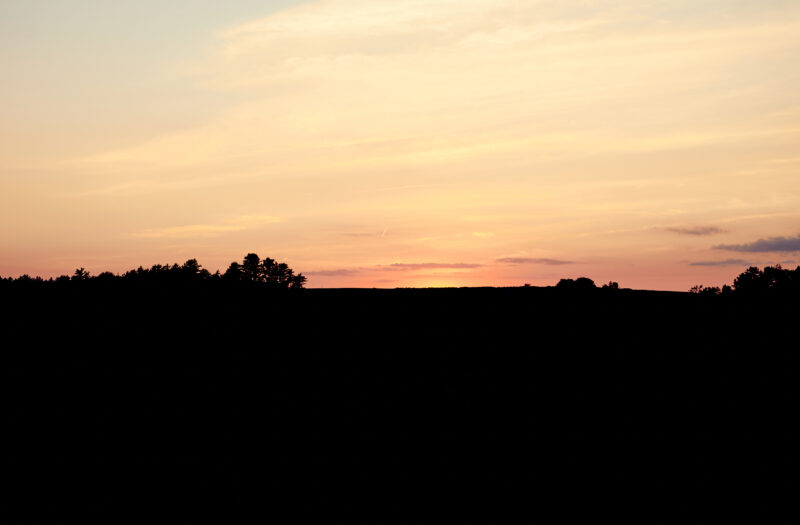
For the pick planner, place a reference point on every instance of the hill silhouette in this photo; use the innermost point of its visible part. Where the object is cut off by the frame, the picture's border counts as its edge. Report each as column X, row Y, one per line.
column 174, row 388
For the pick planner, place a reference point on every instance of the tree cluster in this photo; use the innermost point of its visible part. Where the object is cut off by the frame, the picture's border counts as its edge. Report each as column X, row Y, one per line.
column 266, row 273
column 754, row 281
column 770, row 279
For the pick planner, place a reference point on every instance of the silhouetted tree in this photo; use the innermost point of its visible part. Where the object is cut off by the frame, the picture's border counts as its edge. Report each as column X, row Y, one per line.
column 268, row 271
column 233, row 273
column 751, row 280
column 251, row 267
column 106, row 277
column 191, row 269
column 279, row 275
column 80, row 274
column 773, row 279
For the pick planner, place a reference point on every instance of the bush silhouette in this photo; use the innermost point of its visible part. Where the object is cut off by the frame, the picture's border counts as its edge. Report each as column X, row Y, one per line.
column 581, row 283
column 705, row 290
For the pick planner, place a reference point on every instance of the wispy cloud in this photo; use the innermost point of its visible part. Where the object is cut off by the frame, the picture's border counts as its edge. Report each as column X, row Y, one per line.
column 770, row 244
column 357, row 235
column 696, row 230
column 533, row 260
column 241, row 223
column 430, row 266
column 341, row 272
column 448, row 120
column 394, row 267
column 385, row 49
column 726, row 262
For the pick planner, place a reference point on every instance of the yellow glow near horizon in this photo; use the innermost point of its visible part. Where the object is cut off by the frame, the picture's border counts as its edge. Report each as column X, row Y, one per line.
column 376, row 143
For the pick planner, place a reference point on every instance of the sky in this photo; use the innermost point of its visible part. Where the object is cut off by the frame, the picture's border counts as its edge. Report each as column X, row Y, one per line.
column 377, row 143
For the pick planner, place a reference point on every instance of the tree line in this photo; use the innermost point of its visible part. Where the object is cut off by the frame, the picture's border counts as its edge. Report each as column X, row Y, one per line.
column 253, row 270
column 270, row 274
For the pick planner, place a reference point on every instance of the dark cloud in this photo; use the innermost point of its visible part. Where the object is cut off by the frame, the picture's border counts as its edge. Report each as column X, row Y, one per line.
column 529, row 260
column 343, row 272
column 771, row 244
column 428, row 266
column 696, row 230
column 726, row 262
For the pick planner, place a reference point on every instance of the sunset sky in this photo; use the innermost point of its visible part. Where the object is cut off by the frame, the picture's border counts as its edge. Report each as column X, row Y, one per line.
column 386, row 143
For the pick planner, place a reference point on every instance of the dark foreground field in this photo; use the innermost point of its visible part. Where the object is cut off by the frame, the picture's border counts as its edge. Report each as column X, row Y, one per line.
column 416, row 405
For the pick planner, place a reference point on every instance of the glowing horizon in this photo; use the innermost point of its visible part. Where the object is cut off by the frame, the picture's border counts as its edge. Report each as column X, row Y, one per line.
column 370, row 143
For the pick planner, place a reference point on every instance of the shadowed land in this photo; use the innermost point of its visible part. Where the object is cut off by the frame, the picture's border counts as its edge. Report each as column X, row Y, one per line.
column 223, row 397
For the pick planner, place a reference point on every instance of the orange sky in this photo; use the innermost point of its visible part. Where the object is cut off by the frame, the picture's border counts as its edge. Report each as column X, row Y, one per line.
column 405, row 143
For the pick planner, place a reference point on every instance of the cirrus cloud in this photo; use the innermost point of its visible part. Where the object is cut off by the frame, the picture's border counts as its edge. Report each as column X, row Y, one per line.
column 430, row 266
column 533, row 260
column 341, row 272
column 696, row 230
column 241, row 223
column 726, row 262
